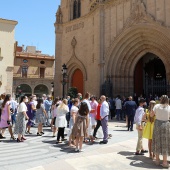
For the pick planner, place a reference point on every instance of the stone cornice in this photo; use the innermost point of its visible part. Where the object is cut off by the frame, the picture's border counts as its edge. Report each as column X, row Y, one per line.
column 12, row 22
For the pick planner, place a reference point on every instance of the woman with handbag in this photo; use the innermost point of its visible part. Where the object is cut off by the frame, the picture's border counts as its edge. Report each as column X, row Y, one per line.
column 5, row 121
column 20, row 122
column 81, row 125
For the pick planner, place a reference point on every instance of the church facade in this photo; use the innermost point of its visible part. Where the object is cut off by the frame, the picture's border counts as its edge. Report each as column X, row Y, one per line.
column 113, row 46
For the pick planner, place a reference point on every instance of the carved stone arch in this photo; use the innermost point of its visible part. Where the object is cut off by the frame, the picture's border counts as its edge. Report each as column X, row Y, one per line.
column 74, row 64
column 21, row 82
column 122, row 43
column 24, row 87
column 128, row 48
column 72, row 67
column 127, row 78
column 43, row 85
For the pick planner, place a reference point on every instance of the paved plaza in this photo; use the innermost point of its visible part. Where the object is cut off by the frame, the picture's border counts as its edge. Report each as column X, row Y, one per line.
column 41, row 153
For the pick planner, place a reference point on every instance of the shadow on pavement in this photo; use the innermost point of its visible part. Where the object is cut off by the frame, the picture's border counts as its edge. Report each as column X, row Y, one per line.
column 9, row 141
column 123, row 130
column 121, row 126
column 139, row 161
column 30, row 135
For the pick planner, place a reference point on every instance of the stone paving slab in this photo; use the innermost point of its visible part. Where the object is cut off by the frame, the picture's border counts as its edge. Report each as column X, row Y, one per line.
column 41, row 153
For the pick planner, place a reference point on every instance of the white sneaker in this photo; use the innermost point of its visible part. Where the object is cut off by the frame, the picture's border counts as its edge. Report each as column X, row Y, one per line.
column 81, row 150
column 76, row 150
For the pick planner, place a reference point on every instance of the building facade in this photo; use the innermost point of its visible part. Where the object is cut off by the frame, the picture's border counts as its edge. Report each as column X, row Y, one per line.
column 33, row 72
column 114, row 46
column 7, row 32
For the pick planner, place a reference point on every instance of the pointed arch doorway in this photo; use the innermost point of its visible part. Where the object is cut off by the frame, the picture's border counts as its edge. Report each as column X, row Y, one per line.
column 77, row 81
column 150, row 76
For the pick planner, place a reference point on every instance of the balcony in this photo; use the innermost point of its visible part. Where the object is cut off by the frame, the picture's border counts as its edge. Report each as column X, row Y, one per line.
column 18, row 76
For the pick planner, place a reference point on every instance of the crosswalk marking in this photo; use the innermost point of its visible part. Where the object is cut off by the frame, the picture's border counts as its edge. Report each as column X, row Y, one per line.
column 34, row 149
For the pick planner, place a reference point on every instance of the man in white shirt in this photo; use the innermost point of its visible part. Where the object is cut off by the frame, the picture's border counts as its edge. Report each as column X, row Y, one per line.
column 104, row 113
column 118, row 104
column 139, row 126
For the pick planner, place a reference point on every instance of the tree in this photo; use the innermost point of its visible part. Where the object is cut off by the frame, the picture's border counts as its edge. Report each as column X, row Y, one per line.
column 72, row 92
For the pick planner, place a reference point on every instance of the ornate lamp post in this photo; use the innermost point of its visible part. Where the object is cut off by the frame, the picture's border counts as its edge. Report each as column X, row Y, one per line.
column 64, row 73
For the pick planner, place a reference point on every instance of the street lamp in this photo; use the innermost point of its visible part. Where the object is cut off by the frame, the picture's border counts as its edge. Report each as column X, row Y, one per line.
column 64, row 73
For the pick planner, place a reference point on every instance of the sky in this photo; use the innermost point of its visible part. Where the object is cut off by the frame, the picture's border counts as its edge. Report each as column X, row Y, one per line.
column 36, row 20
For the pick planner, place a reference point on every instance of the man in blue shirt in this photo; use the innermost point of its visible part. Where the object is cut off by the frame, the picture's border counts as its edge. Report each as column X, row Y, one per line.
column 130, row 108
column 48, row 104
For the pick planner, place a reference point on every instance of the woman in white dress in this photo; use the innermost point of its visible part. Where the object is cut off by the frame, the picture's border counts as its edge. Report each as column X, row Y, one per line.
column 73, row 114
column 61, row 121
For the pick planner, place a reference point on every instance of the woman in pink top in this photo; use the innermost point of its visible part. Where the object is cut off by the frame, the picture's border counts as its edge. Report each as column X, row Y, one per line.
column 54, row 114
column 92, row 116
column 5, row 121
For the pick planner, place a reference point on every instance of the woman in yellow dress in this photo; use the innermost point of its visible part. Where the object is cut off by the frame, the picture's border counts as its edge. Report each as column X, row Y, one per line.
column 148, row 129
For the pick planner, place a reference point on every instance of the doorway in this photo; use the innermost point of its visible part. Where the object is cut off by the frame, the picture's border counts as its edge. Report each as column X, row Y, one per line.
column 77, row 81
column 150, row 76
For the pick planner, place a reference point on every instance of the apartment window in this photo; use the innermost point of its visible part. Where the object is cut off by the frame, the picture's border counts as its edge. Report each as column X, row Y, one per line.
column 42, row 72
column 24, row 71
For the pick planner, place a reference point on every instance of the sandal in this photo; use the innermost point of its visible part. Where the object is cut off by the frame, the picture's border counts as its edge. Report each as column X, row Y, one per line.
column 12, row 138
column 165, row 165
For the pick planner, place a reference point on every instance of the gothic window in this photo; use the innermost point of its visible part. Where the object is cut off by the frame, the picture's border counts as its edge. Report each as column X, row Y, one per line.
column 76, row 9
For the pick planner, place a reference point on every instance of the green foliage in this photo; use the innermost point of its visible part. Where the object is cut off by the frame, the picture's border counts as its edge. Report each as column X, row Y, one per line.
column 72, row 92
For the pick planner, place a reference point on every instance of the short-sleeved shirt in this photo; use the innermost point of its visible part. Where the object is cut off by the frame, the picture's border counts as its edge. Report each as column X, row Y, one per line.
column 88, row 104
column 139, row 115
column 40, row 110
column 74, row 109
column 94, row 107
column 118, row 104
column 22, row 107
column 162, row 112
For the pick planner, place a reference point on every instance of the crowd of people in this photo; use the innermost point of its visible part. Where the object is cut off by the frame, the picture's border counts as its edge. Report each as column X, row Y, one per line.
column 84, row 116
column 80, row 115
column 153, row 124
